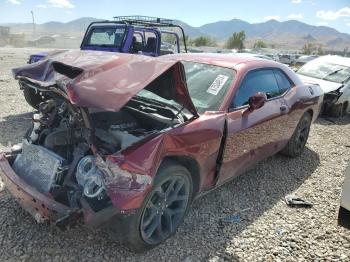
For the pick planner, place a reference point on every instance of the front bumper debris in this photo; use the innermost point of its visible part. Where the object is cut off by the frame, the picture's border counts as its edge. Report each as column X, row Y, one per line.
column 40, row 206
column 45, row 209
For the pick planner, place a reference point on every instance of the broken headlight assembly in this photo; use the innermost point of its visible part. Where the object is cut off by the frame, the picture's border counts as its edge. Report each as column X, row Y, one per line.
column 90, row 178
column 333, row 96
column 120, row 178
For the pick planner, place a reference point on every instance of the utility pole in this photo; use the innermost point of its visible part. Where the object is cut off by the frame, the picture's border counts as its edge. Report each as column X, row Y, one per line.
column 33, row 23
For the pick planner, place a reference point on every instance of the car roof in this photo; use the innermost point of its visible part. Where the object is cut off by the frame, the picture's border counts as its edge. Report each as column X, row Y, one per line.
column 223, row 60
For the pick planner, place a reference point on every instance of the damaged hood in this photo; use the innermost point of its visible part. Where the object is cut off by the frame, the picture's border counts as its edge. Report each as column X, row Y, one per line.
column 108, row 81
column 326, row 86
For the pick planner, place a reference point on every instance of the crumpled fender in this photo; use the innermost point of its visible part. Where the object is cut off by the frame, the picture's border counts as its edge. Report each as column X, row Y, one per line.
column 199, row 139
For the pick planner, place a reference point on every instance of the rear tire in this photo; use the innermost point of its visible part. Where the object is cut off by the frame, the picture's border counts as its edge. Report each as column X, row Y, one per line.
column 32, row 98
column 296, row 144
column 161, row 213
column 345, row 109
column 337, row 110
column 344, row 217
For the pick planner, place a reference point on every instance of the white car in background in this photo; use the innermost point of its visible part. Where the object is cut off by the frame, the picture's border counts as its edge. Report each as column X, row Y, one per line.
column 288, row 59
column 332, row 73
column 255, row 55
column 344, row 211
column 305, row 59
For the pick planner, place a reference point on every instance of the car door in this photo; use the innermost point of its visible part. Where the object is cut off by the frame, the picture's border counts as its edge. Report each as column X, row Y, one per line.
column 255, row 135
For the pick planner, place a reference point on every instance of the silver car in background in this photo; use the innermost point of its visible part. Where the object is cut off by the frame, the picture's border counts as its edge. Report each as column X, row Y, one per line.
column 332, row 73
column 288, row 59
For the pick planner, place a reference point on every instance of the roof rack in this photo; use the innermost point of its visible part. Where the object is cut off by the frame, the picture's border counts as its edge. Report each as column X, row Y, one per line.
column 150, row 21
column 145, row 20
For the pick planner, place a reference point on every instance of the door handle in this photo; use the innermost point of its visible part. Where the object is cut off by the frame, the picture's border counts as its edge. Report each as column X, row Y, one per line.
column 283, row 108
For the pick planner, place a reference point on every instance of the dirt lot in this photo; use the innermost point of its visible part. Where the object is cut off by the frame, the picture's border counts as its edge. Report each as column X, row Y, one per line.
column 262, row 227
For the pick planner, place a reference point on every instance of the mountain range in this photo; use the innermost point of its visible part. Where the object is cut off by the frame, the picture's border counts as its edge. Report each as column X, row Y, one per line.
column 290, row 34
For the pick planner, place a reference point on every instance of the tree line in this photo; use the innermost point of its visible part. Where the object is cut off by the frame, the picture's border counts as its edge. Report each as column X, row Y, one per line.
column 237, row 39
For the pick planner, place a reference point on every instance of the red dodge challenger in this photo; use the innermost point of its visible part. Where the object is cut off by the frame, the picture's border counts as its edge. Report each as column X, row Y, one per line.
column 128, row 142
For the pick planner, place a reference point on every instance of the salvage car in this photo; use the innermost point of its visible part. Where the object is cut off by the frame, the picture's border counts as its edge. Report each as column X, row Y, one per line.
column 344, row 210
column 332, row 73
column 305, row 59
column 255, row 55
column 288, row 59
column 127, row 142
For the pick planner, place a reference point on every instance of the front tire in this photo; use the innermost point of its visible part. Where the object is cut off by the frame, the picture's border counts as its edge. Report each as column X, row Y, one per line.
column 162, row 211
column 296, row 144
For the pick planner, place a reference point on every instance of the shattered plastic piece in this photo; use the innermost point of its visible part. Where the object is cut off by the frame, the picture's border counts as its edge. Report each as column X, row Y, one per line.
column 16, row 148
column 295, row 201
column 280, row 231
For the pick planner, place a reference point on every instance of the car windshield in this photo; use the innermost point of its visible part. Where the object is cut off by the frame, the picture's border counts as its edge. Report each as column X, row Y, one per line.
column 106, row 36
column 326, row 71
column 207, row 86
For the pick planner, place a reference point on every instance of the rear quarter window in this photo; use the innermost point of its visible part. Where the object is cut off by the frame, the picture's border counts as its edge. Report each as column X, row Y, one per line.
column 283, row 82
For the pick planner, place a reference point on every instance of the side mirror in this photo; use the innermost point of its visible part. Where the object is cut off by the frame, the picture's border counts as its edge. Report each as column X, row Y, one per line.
column 257, row 101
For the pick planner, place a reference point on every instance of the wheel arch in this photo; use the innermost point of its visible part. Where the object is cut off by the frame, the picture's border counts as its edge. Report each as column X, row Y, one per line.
column 310, row 111
column 188, row 162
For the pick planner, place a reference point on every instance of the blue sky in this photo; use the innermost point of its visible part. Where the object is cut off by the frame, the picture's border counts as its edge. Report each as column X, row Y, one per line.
column 333, row 13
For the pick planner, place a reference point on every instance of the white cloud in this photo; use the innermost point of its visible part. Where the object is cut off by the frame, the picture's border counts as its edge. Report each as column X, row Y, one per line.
column 295, row 16
column 296, row 1
column 60, row 3
column 14, row 2
column 41, row 6
column 333, row 15
column 272, row 17
column 348, row 24
column 68, row 12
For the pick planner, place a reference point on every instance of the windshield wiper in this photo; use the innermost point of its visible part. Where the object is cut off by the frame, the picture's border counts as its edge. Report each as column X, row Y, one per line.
column 332, row 73
column 154, row 101
column 346, row 80
column 170, row 106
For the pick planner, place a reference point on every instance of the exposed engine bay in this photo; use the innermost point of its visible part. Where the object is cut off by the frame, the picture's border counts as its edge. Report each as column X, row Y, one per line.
column 56, row 156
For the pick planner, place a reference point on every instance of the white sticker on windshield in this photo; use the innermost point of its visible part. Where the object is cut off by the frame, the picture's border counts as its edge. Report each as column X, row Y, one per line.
column 218, row 83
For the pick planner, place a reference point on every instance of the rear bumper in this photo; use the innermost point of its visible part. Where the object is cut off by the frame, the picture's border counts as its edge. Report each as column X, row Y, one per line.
column 43, row 208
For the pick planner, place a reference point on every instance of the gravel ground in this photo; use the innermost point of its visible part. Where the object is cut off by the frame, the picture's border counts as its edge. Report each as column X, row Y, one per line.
column 263, row 228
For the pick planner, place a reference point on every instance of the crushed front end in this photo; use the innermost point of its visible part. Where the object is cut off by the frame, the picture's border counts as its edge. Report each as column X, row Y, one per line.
column 41, row 206
column 71, row 162
column 330, row 103
column 52, row 173
column 62, row 171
